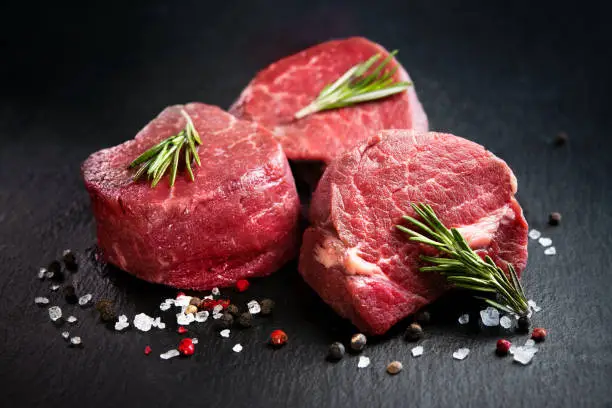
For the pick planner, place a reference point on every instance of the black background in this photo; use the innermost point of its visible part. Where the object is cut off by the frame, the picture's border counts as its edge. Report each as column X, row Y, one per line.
column 509, row 75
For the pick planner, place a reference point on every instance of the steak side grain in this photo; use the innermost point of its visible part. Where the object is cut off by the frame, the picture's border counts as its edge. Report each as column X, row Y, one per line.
column 238, row 219
column 357, row 261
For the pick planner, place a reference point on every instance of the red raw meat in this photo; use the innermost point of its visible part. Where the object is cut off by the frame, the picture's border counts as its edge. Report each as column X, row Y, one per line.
column 237, row 220
column 357, row 261
column 283, row 88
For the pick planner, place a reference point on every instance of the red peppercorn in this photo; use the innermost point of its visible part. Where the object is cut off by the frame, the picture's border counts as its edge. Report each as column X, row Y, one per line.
column 503, row 347
column 147, row 350
column 242, row 285
column 538, row 334
column 278, row 338
column 186, row 347
column 208, row 304
column 181, row 330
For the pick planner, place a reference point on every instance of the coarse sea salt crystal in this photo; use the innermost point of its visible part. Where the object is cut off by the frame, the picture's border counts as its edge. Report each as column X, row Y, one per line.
column 363, row 362
column 417, row 351
column 254, row 307
column 545, row 241
column 183, row 319
column 505, row 322
column 461, row 354
column 237, row 348
column 54, row 287
column 225, row 333
column 143, row 322
column 164, row 306
column 533, row 305
column 121, row 325
column 217, row 316
column 215, row 291
column 123, row 318
column 464, row 319
column 75, row 341
column 208, row 297
column 66, row 335
column 55, row 313
column 523, row 355
column 217, row 309
column 182, row 300
column 201, row 316
column 41, row 300
column 512, row 349
column 169, row 354
column 49, row 274
column 71, row 319
column 158, row 323
column 41, row 273
column 530, row 343
column 490, row 316
column 534, row 234
column 83, row 300
column 195, row 340
column 550, row 251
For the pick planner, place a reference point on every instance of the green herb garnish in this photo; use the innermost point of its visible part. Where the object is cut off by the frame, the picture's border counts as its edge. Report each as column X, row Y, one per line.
column 461, row 266
column 156, row 161
column 355, row 87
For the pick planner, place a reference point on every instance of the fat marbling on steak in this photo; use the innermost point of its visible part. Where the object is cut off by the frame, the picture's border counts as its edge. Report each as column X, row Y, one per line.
column 238, row 219
column 283, row 88
column 367, row 270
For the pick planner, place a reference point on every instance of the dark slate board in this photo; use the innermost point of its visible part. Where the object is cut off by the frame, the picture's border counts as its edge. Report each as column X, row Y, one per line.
column 76, row 79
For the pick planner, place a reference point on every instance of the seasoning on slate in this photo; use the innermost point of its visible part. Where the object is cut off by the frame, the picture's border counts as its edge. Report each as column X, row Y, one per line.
column 502, row 347
column 245, row 320
column 233, row 310
column 191, row 309
column 70, row 260
column 70, row 295
column 554, row 218
column 105, row 308
column 278, row 338
column 224, row 322
column 147, row 350
column 414, row 332
column 336, row 351
column 423, row 317
column 267, row 305
column 195, row 301
column 181, row 330
column 358, row 342
column 186, row 347
column 55, row 268
column 523, row 324
column 538, row 334
column 561, row 138
column 394, row 367
column 242, row 285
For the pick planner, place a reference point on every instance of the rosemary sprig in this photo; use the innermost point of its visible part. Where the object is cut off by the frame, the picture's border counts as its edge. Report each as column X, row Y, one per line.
column 461, row 266
column 355, row 87
column 156, row 161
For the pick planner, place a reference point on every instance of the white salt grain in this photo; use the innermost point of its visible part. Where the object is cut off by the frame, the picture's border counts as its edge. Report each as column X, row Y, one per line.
column 254, row 307
column 194, row 340
column 225, row 333
column 201, row 316
column 55, row 287
column 545, row 241
column 363, row 362
column 158, row 323
column 71, row 319
column 123, row 318
column 75, row 341
column 417, row 351
column 237, row 348
column 182, row 301
column 534, row 234
column 41, row 300
column 208, row 297
column 215, row 291
column 49, row 274
column 523, row 356
column 216, row 316
column 164, row 306
column 217, row 309
column 83, row 300
column 490, row 316
column 505, row 322
column 143, row 322
column 550, row 251
column 55, row 313
column 183, row 319
column 461, row 354
column 530, row 344
column 169, row 354
column 512, row 349
column 121, row 325
column 533, row 305
column 66, row 335
column 41, row 273
column 464, row 319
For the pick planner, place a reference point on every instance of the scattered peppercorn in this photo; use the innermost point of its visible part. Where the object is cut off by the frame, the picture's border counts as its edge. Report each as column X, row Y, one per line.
column 561, row 138
column 267, row 305
column 523, row 324
column 70, row 295
column 195, row 301
column 538, row 334
column 414, row 332
column 56, row 269
column 503, row 347
column 278, row 338
column 147, row 350
column 336, row 351
column 70, row 260
column 242, row 285
column 358, row 342
column 106, row 310
column 245, row 320
column 191, row 309
column 181, row 330
column 554, row 218
column 186, row 347
column 224, row 322
column 394, row 367
column 423, row 317
column 233, row 310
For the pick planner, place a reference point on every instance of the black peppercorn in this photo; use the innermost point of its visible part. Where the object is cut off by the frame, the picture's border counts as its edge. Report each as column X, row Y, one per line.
column 336, row 351
column 233, row 310
column 358, row 342
column 106, row 310
column 561, row 138
column 70, row 295
column 224, row 322
column 414, row 332
column 523, row 324
column 70, row 260
column 554, row 218
column 55, row 271
column 195, row 301
column 423, row 317
column 267, row 305
column 245, row 320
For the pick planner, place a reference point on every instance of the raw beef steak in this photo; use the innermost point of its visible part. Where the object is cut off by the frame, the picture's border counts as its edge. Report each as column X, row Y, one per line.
column 238, row 219
column 367, row 270
column 283, row 88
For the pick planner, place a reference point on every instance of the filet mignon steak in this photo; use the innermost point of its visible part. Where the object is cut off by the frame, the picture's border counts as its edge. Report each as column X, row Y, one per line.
column 238, row 219
column 367, row 270
column 283, row 88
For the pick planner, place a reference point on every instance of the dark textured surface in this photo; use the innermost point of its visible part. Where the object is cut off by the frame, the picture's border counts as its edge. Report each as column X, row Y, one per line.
column 76, row 79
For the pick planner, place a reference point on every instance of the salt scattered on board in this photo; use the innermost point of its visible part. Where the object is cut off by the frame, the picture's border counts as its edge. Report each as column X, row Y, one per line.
column 183, row 319
column 182, row 300
column 505, row 322
column 164, row 306
column 195, row 340
column 201, row 316
column 217, row 309
column 254, row 307
column 461, row 354
column 122, row 323
column 66, row 335
column 545, row 241
column 41, row 300
column 143, row 322
column 550, row 251
column 41, row 273
column 237, row 348
column 72, row 319
column 215, row 291
column 169, row 354
column 363, row 362
column 55, row 313
column 225, row 333
column 54, row 287
column 417, row 351
column 75, row 341
column 464, row 319
column 84, row 300
column 490, row 316
column 534, row 234
column 533, row 305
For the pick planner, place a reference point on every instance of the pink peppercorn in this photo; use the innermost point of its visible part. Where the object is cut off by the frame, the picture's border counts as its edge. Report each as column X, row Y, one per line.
column 538, row 334
column 147, row 350
column 503, row 347
column 181, row 330
column 186, row 347
column 242, row 285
